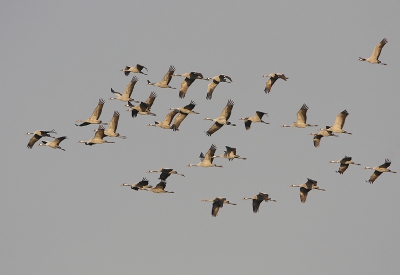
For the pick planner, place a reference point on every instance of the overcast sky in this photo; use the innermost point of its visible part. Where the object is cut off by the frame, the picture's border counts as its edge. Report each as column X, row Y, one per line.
column 66, row 212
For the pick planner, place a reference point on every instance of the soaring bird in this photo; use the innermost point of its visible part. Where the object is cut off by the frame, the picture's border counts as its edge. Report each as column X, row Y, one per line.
column 218, row 203
column 322, row 133
column 164, row 83
column 94, row 119
column 165, row 173
column 344, row 164
column 166, row 123
column 38, row 135
column 160, row 188
column 183, row 112
column 126, row 96
column 379, row 170
column 112, row 127
column 222, row 119
column 144, row 107
column 55, row 144
column 258, row 199
column 98, row 137
column 214, row 83
column 339, row 122
column 307, row 187
column 272, row 78
column 301, row 121
column 230, row 154
column 141, row 185
column 207, row 160
column 189, row 79
column 137, row 69
column 374, row 58
column 256, row 118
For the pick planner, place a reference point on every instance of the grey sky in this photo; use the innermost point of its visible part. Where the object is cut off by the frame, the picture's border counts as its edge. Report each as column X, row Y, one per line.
column 66, row 213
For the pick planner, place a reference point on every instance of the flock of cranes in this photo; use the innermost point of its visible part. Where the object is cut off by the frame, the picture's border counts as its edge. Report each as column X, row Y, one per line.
column 180, row 113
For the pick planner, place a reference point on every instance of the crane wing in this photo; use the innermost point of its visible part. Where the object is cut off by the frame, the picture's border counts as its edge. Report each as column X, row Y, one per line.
column 386, row 164
column 178, row 120
column 215, row 127
column 161, row 185
column 343, row 167
column 340, row 119
column 140, row 67
column 226, row 112
column 303, row 194
column 247, row 124
column 282, row 76
column 217, row 204
column 130, row 86
column 151, row 99
column 168, row 118
column 223, row 78
column 302, row 115
column 59, row 139
column 185, row 86
column 168, row 76
column 229, row 150
column 377, row 50
column 99, row 133
column 112, row 126
column 269, row 84
column 374, row 176
column 317, row 140
column 97, row 111
column 211, row 87
column 210, row 153
column 144, row 182
column 190, row 106
column 256, row 205
column 33, row 140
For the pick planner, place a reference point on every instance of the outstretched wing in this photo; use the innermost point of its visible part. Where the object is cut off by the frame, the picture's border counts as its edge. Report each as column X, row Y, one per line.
column 150, row 100
column 178, row 120
column 33, row 140
column 226, row 112
column 374, row 176
column 303, row 194
column 217, row 204
column 378, row 48
column 130, row 86
column 343, row 167
column 211, row 87
column 302, row 115
column 386, row 164
column 97, row 111
column 282, row 76
column 256, row 205
column 247, row 124
column 224, row 77
column 185, row 86
column 168, row 76
column 190, row 106
column 168, row 118
column 216, row 126
column 340, row 119
column 317, row 140
column 269, row 84
column 112, row 126
column 59, row 139
column 99, row 133
column 140, row 68
column 230, row 150
column 210, row 153
column 161, row 185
